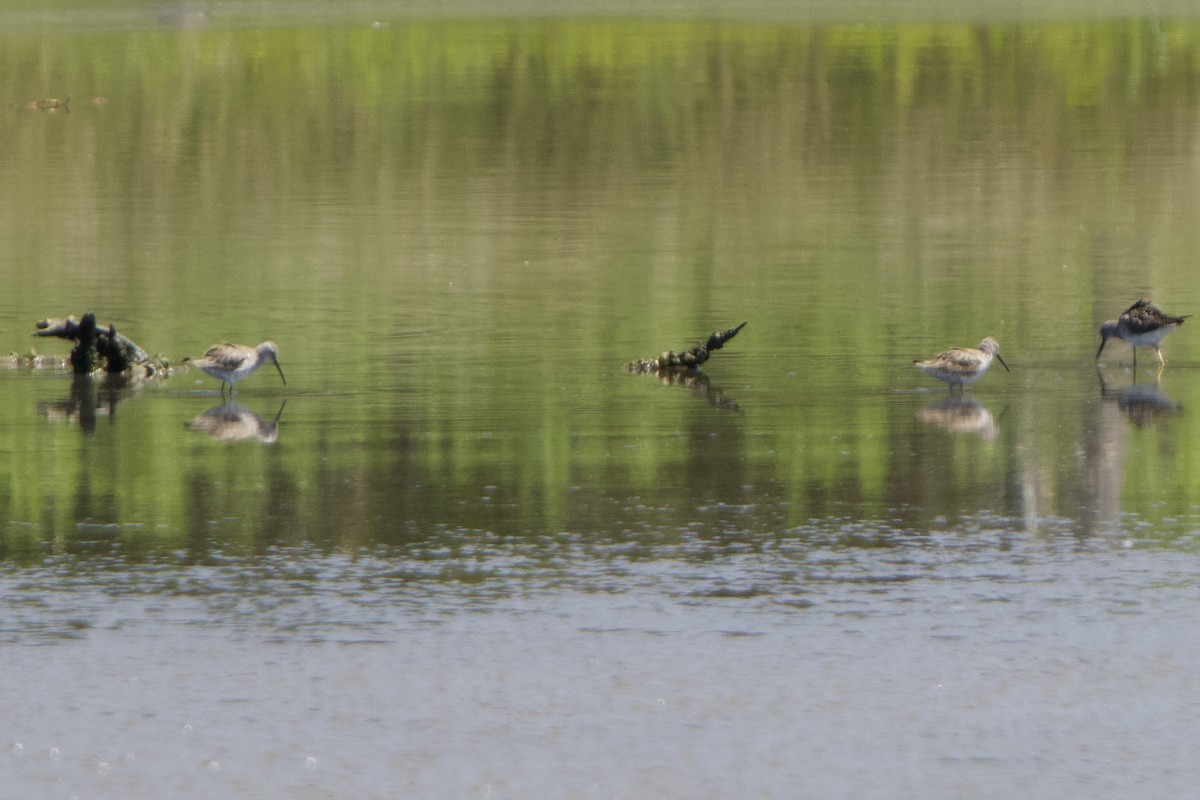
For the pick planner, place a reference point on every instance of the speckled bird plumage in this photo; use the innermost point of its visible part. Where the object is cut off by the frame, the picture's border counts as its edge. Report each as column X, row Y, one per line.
column 961, row 365
column 231, row 363
column 1141, row 325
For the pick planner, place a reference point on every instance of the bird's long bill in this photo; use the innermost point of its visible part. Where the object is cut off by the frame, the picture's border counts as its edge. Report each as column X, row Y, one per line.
column 1001, row 360
column 276, row 363
column 1103, row 341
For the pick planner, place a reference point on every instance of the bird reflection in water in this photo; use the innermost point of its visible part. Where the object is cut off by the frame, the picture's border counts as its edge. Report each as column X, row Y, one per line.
column 961, row 415
column 1143, row 403
column 233, row 422
column 90, row 399
column 698, row 381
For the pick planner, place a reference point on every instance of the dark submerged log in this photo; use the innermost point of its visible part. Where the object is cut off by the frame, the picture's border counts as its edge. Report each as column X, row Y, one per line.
column 97, row 346
column 690, row 358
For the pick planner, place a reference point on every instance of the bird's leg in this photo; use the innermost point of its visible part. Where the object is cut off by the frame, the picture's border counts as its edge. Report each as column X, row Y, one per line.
column 1162, row 362
column 1135, row 359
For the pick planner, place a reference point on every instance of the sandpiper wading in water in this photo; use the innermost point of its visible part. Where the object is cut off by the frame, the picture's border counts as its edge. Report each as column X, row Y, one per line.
column 961, row 365
column 1141, row 325
column 231, row 363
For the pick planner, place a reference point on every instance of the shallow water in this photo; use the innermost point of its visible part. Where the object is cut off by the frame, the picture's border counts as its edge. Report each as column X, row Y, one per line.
column 958, row 663
column 463, row 551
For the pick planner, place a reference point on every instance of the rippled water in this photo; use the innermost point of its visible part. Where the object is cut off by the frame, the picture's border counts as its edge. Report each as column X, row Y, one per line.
column 463, row 552
column 952, row 663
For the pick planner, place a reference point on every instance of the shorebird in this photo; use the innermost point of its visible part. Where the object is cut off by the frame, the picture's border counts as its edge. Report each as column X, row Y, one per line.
column 1141, row 325
column 234, row 362
column 960, row 365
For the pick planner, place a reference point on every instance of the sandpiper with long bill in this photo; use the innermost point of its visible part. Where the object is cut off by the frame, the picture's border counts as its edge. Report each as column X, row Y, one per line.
column 1141, row 325
column 231, row 363
column 961, row 365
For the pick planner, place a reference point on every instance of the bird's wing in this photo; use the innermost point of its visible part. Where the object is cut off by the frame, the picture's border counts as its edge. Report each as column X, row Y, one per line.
column 226, row 356
column 958, row 356
column 1145, row 318
column 1139, row 305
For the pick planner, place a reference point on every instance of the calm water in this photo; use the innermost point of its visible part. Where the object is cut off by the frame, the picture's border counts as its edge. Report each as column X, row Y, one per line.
column 463, row 553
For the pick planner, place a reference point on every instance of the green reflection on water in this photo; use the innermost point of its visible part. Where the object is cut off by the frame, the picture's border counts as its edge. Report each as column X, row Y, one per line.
column 459, row 229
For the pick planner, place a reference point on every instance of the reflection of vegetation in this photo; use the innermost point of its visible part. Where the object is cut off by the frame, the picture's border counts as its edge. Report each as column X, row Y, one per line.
column 402, row 170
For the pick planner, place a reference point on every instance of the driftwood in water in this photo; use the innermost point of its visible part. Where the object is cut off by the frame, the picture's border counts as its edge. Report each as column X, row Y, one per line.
column 690, row 358
column 96, row 345
column 32, row 360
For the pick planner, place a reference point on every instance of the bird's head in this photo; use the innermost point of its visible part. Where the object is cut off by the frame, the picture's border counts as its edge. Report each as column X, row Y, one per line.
column 1107, row 331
